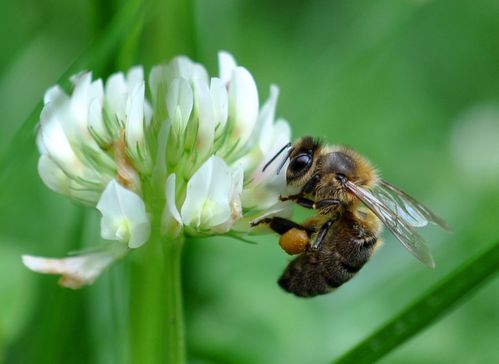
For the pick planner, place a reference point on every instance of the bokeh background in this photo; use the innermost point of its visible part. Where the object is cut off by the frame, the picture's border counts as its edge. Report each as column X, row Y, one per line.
column 413, row 85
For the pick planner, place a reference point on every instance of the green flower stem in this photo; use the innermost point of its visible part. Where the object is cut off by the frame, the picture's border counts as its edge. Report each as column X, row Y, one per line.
column 175, row 334
column 156, row 314
column 428, row 309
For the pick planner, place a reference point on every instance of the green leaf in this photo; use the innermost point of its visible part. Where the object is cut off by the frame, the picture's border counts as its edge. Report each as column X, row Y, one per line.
column 101, row 50
column 433, row 305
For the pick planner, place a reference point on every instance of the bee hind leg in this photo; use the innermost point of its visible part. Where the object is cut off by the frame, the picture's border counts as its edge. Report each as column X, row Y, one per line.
column 281, row 225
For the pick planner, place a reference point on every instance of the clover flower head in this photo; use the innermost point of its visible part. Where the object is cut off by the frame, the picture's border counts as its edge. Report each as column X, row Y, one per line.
column 185, row 153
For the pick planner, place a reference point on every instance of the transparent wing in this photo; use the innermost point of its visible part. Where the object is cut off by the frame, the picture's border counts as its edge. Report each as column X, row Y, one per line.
column 402, row 229
column 409, row 209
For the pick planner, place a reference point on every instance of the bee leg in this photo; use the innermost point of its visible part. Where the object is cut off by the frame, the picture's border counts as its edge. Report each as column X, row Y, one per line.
column 309, row 187
column 326, row 203
column 281, row 225
column 302, row 201
column 321, row 235
column 309, row 204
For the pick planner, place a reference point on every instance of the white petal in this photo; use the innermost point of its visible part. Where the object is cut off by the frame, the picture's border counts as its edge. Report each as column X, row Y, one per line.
column 116, row 91
column 134, row 77
column 199, row 73
column 96, row 122
column 208, row 196
column 157, row 80
column 147, row 112
column 76, row 271
column 171, row 222
column 237, row 178
column 55, row 94
column 226, row 64
column 124, row 216
column 134, row 128
column 96, row 90
column 180, row 66
column 52, row 175
column 204, row 107
column 140, row 234
column 54, row 141
column 197, row 192
column 243, row 104
column 221, row 181
column 79, row 97
column 220, row 102
column 170, row 197
column 180, row 99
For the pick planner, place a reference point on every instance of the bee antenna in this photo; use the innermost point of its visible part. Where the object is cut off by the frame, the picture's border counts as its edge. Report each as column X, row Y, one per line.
column 318, row 142
column 284, row 160
column 277, row 155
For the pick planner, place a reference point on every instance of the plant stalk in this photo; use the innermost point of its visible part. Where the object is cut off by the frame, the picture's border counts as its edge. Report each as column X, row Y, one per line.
column 156, row 313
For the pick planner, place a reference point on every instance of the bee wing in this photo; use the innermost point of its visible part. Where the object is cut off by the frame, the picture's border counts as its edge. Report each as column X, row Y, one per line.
column 398, row 226
column 415, row 213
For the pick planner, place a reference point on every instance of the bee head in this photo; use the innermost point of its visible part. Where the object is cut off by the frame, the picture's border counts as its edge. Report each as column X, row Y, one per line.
column 302, row 160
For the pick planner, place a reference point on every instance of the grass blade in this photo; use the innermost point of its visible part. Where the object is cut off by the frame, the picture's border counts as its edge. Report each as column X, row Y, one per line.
column 433, row 305
column 101, row 50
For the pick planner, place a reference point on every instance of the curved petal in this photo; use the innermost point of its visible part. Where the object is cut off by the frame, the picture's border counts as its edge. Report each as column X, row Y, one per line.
column 204, row 108
column 55, row 94
column 96, row 122
column 170, row 197
column 180, row 101
column 243, row 104
column 77, row 271
column 171, row 221
column 134, row 127
column 115, row 95
column 53, row 140
column 226, row 64
column 157, row 82
column 124, row 216
column 134, row 77
column 52, row 175
column 196, row 194
column 219, row 99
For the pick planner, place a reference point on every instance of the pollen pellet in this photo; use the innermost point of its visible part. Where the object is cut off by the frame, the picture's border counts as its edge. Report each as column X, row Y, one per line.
column 294, row 241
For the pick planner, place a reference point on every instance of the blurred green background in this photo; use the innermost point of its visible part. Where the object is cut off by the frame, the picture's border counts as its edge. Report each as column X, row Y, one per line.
column 413, row 85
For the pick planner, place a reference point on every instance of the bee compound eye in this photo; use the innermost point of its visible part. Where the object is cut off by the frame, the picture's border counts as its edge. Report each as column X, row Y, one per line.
column 300, row 162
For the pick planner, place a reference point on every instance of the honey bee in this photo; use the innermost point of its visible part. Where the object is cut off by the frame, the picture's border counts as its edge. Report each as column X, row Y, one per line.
column 352, row 204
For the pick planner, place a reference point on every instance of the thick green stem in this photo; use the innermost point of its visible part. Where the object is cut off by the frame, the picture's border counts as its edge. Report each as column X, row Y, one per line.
column 156, row 315
column 174, row 315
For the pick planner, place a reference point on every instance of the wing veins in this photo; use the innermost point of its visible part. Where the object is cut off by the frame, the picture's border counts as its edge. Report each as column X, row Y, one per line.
column 403, row 231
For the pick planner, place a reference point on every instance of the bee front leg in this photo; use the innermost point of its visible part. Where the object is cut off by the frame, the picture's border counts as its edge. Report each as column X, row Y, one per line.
column 307, row 189
column 310, row 204
column 302, row 201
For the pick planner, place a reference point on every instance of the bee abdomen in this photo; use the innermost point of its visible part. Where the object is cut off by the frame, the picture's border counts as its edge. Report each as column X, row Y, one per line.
column 315, row 273
column 303, row 277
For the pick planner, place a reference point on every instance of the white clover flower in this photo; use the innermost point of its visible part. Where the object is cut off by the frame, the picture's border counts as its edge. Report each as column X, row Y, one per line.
column 124, row 216
column 189, row 160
